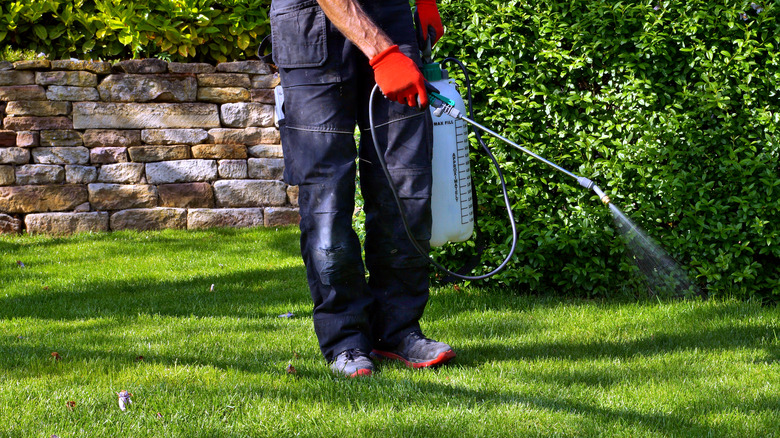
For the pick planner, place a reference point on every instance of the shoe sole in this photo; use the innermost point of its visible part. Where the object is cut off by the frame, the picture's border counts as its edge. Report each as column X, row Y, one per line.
column 361, row 373
column 441, row 359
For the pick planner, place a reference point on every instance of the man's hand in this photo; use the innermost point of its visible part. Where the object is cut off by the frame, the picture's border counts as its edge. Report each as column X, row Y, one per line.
column 429, row 18
column 399, row 78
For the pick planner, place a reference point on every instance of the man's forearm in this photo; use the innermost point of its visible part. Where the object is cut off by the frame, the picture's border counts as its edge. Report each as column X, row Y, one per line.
column 352, row 21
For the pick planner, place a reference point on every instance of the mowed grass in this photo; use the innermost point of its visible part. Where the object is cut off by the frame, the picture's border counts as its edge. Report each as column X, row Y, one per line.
column 137, row 312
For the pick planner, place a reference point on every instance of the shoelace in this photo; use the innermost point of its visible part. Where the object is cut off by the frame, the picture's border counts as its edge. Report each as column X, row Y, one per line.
column 418, row 337
column 353, row 354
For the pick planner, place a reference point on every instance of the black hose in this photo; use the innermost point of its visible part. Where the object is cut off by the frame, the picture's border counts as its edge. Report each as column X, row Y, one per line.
column 397, row 198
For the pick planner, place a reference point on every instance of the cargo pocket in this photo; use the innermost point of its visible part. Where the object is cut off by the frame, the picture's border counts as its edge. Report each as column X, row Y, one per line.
column 299, row 35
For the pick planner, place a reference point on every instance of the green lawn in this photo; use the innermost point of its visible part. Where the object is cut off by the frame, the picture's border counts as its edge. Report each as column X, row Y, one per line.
column 136, row 311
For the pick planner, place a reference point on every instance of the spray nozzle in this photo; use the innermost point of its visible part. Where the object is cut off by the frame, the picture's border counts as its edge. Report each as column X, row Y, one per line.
column 588, row 184
column 604, row 198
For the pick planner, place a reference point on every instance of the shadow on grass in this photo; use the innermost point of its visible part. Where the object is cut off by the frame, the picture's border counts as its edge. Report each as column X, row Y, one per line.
column 236, row 294
column 726, row 338
column 594, row 418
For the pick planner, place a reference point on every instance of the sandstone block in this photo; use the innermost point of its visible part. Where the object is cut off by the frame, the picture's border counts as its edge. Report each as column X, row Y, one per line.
column 111, row 138
column 28, row 139
column 76, row 174
column 224, row 217
column 266, row 151
column 145, row 219
column 61, row 138
column 249, row 193
column 219, row 151
column 227, row 136
column 232, row 169
column 223, row 95
column 68, row 78
column 38, row 199
column 60, row 155
column 10, row 224
column 168, row 172
column 39, row 108
column 7, row 139
column 174, row 136
column 90, row 115
column 39, row 174
column 224, row 80
column 266, row 168
column 187, row 195
column 146, row 88
column 6, row 65
column 37, row 123
column 97, row 67
column 32, row 64
column 281, row 216
column 248, row 136
column 7, row 175
column 141, row 66
column 190, row 67
column 22, row 92
column 292, row 195
column 62, row 224
column 121, row 173
column 249, row 67
column 149, row 154
column 263, row 96
column 108, row 155
column 14, row 155
column 244, row 114
column 267, row 81
column 72, row 94
column 122, row 196
column 15, row 77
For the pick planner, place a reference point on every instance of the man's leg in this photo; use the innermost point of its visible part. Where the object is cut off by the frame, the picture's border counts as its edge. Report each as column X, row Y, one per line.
column 316, row 68
column 398, row 273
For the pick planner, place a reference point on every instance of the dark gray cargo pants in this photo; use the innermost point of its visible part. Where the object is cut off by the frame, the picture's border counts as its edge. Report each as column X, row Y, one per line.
column 327, row 82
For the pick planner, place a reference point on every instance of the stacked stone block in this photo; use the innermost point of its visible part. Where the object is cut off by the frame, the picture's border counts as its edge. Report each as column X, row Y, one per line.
column 140, row 144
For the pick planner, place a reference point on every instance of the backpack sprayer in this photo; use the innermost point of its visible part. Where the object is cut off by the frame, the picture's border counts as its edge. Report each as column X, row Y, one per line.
column 452, row 203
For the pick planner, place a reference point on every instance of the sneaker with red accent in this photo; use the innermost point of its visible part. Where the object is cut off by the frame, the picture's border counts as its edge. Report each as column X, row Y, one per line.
column 417, row 351
column 352, row 363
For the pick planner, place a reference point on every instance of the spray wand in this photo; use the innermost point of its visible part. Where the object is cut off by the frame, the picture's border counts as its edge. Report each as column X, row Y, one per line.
column 444, row 105
column 660, row 270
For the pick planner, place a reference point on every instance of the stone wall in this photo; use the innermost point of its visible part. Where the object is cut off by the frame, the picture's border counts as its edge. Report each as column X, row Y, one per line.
column 140, row 144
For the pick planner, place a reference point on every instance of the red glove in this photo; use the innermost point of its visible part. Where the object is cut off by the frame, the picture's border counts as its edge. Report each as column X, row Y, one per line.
column 399, row 78
column 429, row 17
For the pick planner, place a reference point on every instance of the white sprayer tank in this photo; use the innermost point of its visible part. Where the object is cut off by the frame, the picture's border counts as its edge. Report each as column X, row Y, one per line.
column 451, row 203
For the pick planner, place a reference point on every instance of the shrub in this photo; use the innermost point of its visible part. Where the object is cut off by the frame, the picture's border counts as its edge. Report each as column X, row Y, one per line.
column 670, row 106
column 176, row 30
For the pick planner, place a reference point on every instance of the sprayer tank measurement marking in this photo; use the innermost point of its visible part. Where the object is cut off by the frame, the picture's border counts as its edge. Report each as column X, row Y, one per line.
column 464, row 176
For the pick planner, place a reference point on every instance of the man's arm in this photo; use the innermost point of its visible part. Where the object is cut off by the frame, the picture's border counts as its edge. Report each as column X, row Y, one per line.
column 352, row 21
column 396, row 74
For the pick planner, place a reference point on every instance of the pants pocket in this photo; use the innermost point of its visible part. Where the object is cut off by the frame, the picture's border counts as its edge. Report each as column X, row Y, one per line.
column 299, row 35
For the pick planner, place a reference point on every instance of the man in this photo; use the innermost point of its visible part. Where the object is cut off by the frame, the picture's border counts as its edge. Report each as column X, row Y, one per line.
column 330, row 53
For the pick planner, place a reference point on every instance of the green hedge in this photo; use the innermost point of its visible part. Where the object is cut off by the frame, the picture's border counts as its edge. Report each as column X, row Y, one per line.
column 174, row 30
column 670, row 106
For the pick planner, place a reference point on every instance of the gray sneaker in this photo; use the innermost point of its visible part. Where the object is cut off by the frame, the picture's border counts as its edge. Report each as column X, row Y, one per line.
column 417, row 351
column 352, row 363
